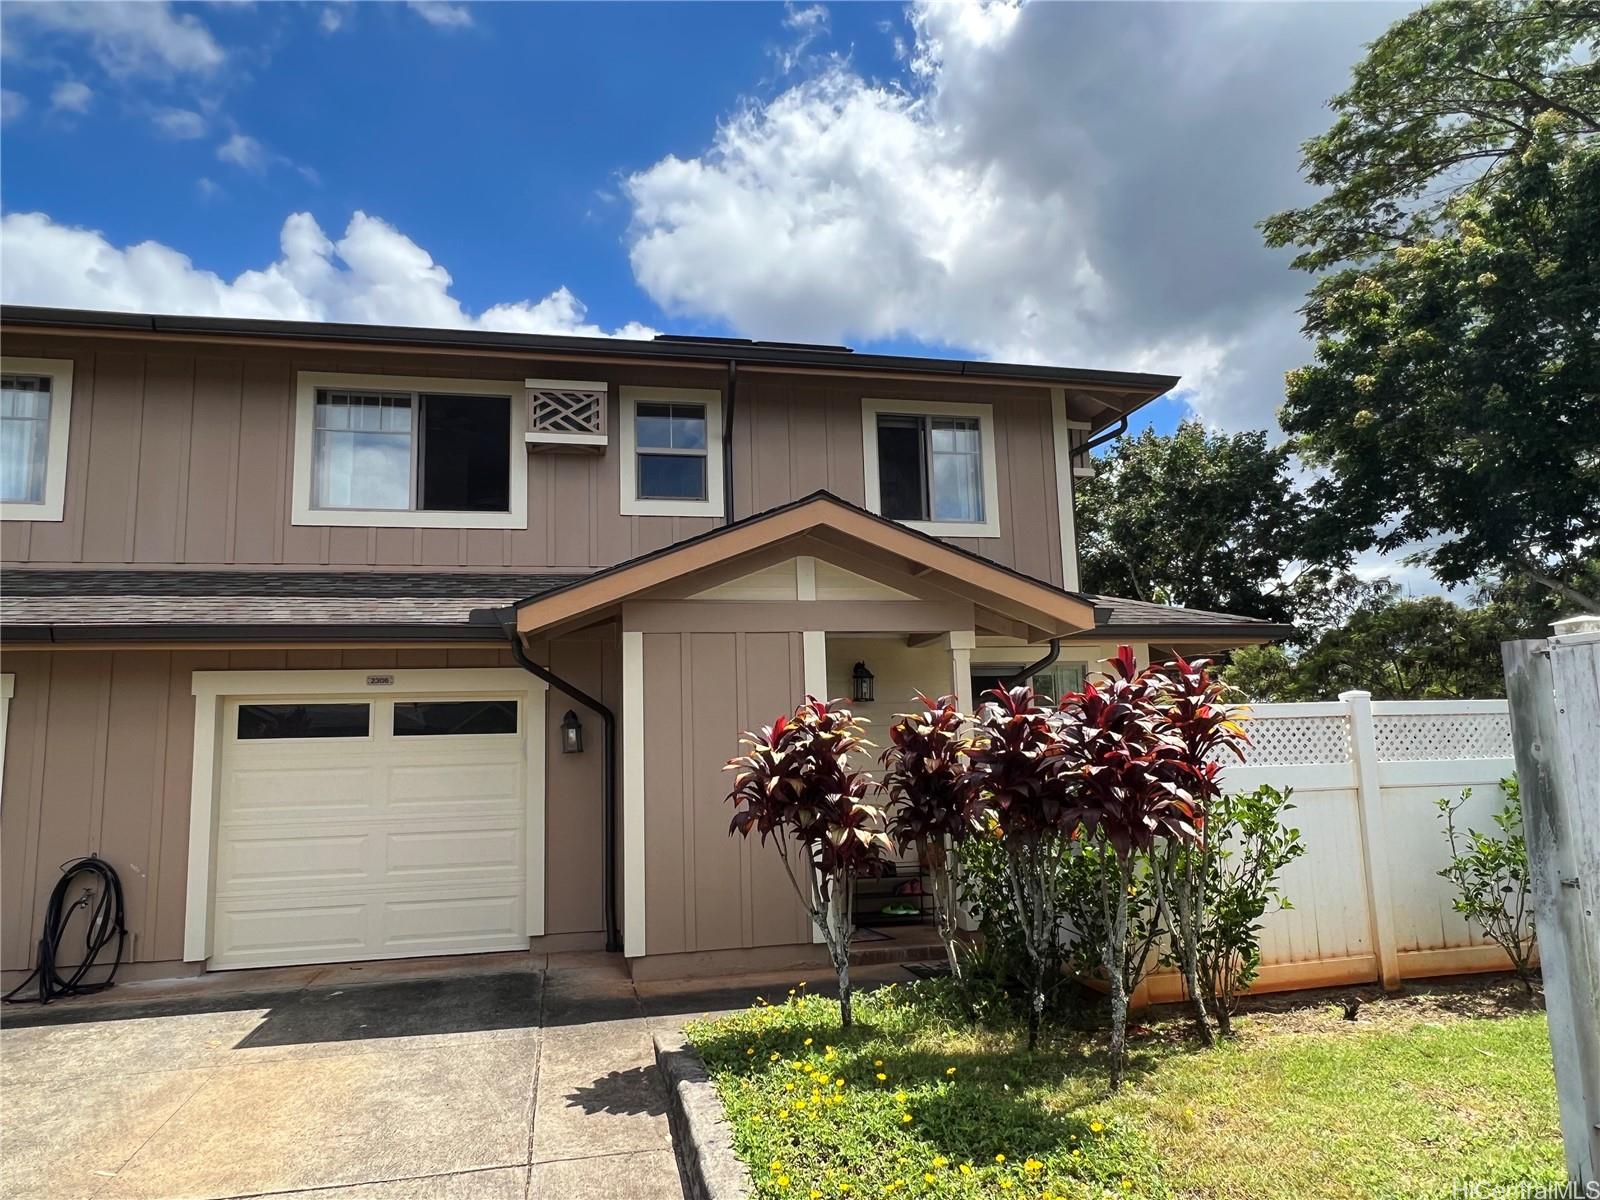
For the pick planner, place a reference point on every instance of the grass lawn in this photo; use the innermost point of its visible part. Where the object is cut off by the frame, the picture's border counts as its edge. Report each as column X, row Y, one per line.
column 1448, row 1082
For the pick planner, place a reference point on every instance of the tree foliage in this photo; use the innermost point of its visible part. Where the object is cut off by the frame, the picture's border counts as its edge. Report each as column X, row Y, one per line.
column 1454, row 394
column 1202, row 519
column 1428, row 648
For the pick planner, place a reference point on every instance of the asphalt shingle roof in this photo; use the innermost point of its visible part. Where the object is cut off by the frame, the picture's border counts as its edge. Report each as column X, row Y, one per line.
column 101, row 599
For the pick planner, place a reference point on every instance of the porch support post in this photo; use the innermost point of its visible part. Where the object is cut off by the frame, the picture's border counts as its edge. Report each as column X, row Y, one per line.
column 961, row 643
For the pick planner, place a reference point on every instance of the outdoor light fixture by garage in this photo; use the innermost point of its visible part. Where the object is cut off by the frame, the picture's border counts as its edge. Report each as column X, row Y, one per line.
column 861, row 684
column 571, row 734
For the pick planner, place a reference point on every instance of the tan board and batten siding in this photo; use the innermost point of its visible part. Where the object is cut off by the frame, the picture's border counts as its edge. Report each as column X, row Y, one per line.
column 704, row 890
column 98, row 758
column 181, row 456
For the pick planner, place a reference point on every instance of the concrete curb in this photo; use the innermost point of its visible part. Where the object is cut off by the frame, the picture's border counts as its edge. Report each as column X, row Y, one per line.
column 701, row 1139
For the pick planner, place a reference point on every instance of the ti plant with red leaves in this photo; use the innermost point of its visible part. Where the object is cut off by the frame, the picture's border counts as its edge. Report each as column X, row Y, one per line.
column 932, row 806
column 796, row 785
column 1016, row 773
column 1196, row 715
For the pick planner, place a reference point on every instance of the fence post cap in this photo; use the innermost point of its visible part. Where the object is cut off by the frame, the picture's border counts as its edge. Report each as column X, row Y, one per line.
column 1582, row 623
column 1356, row 694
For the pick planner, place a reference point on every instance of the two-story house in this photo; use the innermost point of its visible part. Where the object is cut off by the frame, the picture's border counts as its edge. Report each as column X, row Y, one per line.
column 353, row 642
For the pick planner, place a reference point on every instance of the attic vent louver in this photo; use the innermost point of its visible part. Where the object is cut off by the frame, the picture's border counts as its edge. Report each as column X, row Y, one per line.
column 566, row 414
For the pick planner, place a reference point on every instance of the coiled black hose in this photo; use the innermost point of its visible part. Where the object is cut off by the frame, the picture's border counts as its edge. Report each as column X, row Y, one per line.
column 106, row 921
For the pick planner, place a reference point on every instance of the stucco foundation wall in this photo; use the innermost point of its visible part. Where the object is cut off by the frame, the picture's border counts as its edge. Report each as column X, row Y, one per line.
column 706, row 890
column 98, row 759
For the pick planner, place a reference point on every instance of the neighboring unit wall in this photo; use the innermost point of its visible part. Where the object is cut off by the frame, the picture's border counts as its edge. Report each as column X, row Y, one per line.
column 98, row 759
column 705, row 889
column 183, row 454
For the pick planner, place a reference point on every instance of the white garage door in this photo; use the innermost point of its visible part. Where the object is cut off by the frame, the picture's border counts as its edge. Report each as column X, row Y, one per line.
column 366, row 828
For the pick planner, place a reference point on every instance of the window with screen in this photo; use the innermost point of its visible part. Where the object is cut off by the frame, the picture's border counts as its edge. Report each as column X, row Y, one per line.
column 930, row 468
column 24, row 437
column 670, row 444
column 411, row 451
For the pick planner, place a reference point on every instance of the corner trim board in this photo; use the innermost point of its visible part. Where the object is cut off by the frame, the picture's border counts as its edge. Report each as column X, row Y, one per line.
column 633, row 881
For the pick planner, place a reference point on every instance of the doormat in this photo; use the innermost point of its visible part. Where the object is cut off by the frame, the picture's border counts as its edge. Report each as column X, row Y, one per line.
column 928, row 970
column 865, row 934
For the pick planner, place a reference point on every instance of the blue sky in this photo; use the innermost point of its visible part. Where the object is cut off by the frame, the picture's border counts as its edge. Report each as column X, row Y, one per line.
column 1062, row 183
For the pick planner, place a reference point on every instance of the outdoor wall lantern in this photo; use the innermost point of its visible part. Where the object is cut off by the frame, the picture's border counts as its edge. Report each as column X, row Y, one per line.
column 571, row 734
column 861, row 684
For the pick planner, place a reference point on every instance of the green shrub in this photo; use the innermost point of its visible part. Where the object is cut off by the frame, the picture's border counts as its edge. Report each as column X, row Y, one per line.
column 1490, row 874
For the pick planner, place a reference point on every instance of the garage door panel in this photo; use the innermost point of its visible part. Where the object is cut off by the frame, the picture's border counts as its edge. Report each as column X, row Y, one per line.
column 301, row 793
column 454, row 786
column 450, row 852
column 301, row 933
column 490, row 921
column 249, row 862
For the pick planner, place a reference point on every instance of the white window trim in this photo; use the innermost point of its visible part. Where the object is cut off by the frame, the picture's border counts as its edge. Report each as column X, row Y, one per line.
column 989, row 527
column 628, row 465
column 304, row 513
column 54, row 503
column 213, row 688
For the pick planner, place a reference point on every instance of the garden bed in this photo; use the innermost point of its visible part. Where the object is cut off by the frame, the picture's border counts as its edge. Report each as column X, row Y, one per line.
column 1448, row 1082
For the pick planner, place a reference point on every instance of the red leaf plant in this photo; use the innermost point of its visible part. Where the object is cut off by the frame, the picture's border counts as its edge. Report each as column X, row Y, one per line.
column 796, row 785
column 1017, row 761
column 932, row 806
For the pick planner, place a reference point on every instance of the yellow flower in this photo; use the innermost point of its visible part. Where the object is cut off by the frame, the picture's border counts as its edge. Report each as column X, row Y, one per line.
column 966, row 1168
column 949, row 1070
column 999, row 1158
column 788, row 1087
column 905, row 1118
column 844, row 1187
column 928, row 1176
column 839, row 1082
column 783, row 1181
column 1033, row 1164
column 774, row 1056
column 783, row 1114
column 877, row 1062
column 939, row 1160
column 815, row 1195
column 1127, row 1185
column 749, row 1050
column 1005, row 1185
column 776, row 1166
column 881, row 1077
column 901, row 1097
column 808, row 1041
column 1095, row 1126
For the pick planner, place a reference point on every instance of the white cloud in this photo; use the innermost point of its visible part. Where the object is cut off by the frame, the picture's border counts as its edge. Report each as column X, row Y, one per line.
column 374, row 274
column 332, row 19
column 244, row 151
column 1076, row 184
column 12, row 105
column 807, row 23
column 180, row 123
column 209, row 189
column 71, row 96
column 125, row 38
column 441, row 14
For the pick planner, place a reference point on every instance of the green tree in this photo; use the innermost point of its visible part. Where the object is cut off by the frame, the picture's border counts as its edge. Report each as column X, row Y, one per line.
column 1421, row 649
column 1206, row 520
column 1455, row 392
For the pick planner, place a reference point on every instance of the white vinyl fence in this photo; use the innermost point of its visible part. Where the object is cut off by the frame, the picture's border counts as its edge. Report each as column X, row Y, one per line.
column 1368, row 904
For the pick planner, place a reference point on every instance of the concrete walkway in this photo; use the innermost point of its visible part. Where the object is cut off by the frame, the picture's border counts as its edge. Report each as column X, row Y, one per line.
column 496, row 1077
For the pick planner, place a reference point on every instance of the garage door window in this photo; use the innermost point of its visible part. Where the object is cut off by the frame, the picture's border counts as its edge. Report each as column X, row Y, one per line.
column 263, row 722
column 450, row 718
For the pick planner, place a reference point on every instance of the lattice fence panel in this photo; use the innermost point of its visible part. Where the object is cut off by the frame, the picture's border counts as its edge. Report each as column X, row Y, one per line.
column 1291, row 741
column 567, row 410
column 1408, row 737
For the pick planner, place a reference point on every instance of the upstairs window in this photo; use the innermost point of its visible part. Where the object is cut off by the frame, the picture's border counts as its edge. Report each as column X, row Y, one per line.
column 35, row 416
column 932, row 466
column 24, row 437
column 671, row 442
column 401, row 452
column 670, row 452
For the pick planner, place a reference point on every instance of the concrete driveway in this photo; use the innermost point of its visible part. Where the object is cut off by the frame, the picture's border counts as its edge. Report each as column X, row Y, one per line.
column 497, row 1079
